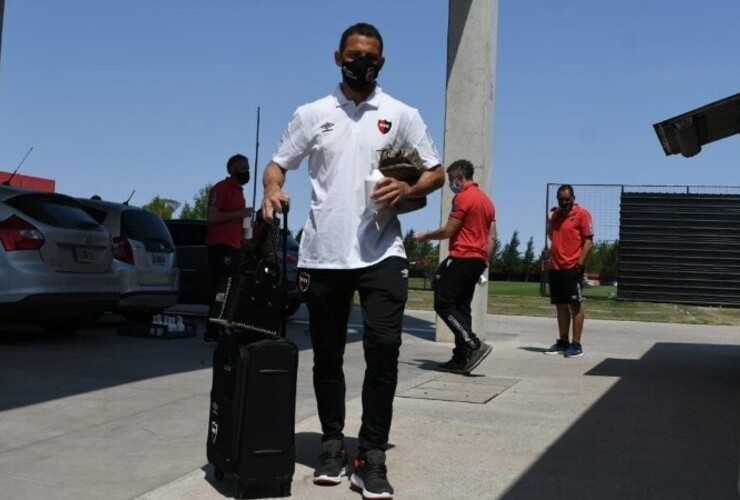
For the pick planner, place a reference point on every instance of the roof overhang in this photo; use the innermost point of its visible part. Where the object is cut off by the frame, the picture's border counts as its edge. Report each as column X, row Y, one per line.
column 688, row 132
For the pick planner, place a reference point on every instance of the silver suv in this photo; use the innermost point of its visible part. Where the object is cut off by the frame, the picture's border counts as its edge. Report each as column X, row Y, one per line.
column 143, row 257
column 55, row 261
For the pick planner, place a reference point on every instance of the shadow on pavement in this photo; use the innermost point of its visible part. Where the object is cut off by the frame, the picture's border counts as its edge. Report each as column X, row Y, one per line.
column 424, row 364
column 533, row 349
column 423, row 329
column 226, row 487
column 667, row 429
column 308, row 447
column 36, row 367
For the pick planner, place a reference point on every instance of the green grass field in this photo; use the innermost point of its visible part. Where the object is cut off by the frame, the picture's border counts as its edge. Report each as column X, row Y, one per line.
column 523, row 299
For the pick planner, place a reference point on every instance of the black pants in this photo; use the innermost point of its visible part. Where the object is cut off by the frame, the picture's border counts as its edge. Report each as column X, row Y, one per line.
column 223, row 260
column 454, row 286
column 383, row 290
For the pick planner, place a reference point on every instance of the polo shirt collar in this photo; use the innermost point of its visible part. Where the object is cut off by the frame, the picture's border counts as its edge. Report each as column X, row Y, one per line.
column 373, row 100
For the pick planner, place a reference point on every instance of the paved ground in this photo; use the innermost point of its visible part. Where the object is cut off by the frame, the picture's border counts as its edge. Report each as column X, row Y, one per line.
column 651, row 411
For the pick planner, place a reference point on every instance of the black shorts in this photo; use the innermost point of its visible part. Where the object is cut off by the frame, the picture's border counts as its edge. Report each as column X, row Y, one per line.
column 565, row 286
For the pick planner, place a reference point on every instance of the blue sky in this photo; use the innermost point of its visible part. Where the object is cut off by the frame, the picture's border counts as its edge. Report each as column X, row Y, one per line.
column 155, row 96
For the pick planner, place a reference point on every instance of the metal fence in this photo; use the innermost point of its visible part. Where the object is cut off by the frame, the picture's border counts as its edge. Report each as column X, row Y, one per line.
column 677, row 243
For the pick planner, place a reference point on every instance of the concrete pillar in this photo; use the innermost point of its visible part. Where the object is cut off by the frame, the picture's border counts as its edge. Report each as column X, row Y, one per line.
column 471, row 71
column 2, row 16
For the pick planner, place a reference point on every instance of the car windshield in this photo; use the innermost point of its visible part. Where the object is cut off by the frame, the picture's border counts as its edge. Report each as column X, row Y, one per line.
column 146, row 227
column 54, row 210
column 186, row 233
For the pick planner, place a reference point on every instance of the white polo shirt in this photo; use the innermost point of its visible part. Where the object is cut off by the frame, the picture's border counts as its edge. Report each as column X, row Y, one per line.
column 342, row 142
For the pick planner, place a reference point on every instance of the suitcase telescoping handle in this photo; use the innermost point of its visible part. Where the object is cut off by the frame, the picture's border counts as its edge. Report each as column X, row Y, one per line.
column 284, row 323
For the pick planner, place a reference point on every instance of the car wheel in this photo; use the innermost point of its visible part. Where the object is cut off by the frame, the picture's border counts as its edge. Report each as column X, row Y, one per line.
column 62, row 328
column 292, row 307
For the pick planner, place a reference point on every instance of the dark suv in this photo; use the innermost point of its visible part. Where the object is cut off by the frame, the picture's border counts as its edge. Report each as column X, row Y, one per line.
column 189, row 236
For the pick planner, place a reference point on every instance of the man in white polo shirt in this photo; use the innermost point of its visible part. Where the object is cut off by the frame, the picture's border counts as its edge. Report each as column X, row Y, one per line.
column 348, row 246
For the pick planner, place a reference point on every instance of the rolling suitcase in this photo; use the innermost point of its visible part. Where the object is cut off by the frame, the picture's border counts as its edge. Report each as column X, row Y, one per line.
column 251, row 428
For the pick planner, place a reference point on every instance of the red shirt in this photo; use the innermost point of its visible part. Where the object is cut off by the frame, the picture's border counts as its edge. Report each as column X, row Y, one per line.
column 226, row 196
column 569, row 233
column 476, row 211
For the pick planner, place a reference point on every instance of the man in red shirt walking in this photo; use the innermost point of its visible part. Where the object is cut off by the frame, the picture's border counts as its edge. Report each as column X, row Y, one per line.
column 471, row 229
column 226, row 213
column 571, row 232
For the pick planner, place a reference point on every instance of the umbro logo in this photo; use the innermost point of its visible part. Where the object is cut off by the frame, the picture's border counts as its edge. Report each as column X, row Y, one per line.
column 327, row 127
column 404, row 273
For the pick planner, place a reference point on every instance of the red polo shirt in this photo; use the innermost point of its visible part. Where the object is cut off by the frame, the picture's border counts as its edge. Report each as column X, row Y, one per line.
column 476, row 211
column 568, row 235
column 226, row 196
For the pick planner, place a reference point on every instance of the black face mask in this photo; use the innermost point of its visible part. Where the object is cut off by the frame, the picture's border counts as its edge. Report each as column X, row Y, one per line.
column 241, row 177
column 360, row 74
column 565, row 206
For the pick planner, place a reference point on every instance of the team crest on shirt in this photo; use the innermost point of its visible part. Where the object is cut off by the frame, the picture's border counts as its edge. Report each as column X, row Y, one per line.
column 327, row 127
column 304, row 281
column 384, row 126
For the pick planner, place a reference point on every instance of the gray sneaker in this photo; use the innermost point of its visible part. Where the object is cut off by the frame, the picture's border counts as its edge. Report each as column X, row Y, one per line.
column 475, row 357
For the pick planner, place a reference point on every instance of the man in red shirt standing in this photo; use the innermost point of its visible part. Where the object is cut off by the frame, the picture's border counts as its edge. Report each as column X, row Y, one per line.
column 571, row 232
column 471, row 229
column 226, row 213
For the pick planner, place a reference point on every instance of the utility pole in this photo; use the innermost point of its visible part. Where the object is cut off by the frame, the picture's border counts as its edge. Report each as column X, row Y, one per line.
column 469, row 111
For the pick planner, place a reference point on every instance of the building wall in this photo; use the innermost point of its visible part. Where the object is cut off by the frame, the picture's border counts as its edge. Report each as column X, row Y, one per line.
column 29, row 181
column 680, row 248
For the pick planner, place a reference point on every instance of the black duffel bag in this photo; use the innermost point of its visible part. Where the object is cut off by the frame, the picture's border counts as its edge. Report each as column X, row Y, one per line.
column 253, row 299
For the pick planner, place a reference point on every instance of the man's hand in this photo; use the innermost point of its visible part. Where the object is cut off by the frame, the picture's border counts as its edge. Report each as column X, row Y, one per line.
column 273, row 202
column 389, row 191
column 274, row 197
column 421, row 237
column 552, row 212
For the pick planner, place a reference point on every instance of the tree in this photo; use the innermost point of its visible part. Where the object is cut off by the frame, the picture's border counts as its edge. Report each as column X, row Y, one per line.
column 411, row 246
column 422, row 255
column 603, row 260
column 495, row 266
column 199, row 208
column 496, row 252
column 529, row 267
column 510, row 258
column 544, row 266
column 163, row 207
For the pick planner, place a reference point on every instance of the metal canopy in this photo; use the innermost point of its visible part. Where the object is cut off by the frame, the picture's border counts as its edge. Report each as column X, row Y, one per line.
column 687, row 133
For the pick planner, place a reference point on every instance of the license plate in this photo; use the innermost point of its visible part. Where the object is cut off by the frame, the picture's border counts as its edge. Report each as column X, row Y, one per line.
column 158, row 259
column 84, row 254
